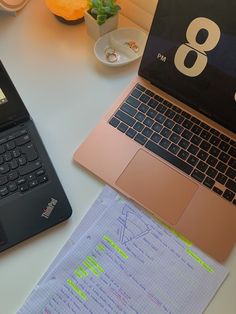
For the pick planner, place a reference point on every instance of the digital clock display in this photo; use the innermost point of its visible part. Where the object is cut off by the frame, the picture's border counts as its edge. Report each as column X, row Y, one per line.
column 191, row 54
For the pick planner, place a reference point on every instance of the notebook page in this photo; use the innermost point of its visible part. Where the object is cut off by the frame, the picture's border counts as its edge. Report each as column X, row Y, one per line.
column 128, row 263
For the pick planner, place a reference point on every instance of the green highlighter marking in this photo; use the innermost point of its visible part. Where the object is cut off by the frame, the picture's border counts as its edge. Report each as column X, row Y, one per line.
column 77, row 289
column 115, row 246
column 199, row 260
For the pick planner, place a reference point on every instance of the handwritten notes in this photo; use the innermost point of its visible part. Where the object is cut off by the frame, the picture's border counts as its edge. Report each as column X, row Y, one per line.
column 125, row 262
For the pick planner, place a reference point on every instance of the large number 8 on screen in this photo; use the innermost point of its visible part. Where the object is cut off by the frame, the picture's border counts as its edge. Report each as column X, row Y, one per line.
column 200, row 48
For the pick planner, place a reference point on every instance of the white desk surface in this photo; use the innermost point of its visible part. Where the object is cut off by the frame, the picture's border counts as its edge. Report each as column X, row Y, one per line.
column 66, row 92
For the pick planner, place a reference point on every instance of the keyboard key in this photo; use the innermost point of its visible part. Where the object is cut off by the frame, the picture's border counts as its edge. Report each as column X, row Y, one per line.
column 29, row 152
column 161, row 108
column 183, row 154
column 212, row 161
column 125, row 118
column 205, row 135
column 198, row 175
column 22, row 140
column 205, row 146
column 202, row 155
column 160, row 118
column 224, row 157
column 151, row 113
column 186, row 115
column 140, row 139
column 33, row 183
column 174, row 149
column 16, row 152
column 122, row 127
column 209, row 182
column 174, row 138
column 221, row 178
column 211, row 172
column 196, row 129
column 136, row 93
column 140, row 116
column 157, row 127
column 214, row 151
column 143, row 108
column 196, row 140
column 214, row 140
column 170, row 113
column 131, row 133
column 4, row 168
column 3, row 180
column 165, row 143
column 202, row 166
column 178, row 129
column 10, row 145
column 24, row 188
column 167, row 104
column 169, row 123
column 133, row 101
column 114, row 122
column 140, row 87
column 163, row 153
column 217, row 190
column 156, row 137
column 187, row 124
column 178, row 118
column 232, row 163
column 221, row 167
column 13, row 176
column 148, row 122
column 22, row 161
column 231, row 185
column 152, row 103
column 138, row 126
column 231, row 173
column 12, row 187
column 193, row 149
column 192, row 160
column 228, row 195
column 184, row 143
column 165, row 132
column 224, row 146
column 4, row 191
column 147, row 132
column 30, row 168
column 215, row 132
column 187, row 134
column 144, row 98
column 149, row 93
column 232, row 152
column 128, row 109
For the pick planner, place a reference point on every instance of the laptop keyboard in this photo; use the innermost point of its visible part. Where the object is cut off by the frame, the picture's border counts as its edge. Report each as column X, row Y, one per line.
column 189, row 144
column 20, row 165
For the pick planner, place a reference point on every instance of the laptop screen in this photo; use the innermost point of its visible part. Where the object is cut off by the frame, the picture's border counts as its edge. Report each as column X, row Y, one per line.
column 12, row 108
column 191, row 54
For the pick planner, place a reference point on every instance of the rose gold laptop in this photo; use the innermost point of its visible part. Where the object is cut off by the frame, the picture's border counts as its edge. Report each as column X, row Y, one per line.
column 168, row 142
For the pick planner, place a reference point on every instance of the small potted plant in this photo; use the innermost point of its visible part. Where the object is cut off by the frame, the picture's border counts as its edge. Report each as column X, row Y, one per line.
column 101, row 17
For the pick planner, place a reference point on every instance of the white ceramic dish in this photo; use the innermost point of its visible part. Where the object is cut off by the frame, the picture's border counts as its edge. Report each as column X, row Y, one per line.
column 120, row 46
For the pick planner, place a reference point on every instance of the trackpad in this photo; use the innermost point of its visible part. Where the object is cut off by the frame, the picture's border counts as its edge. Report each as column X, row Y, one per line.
column 157, row 187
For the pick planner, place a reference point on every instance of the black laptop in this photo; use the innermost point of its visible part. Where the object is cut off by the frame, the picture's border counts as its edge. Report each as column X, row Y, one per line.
column 31, row 196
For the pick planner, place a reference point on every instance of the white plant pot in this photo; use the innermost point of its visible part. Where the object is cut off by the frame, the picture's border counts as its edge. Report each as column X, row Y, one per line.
column 95, row 30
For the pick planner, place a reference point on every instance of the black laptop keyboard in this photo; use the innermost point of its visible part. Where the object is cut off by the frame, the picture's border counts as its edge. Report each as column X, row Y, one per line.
column 20, row 165
column 189, row 144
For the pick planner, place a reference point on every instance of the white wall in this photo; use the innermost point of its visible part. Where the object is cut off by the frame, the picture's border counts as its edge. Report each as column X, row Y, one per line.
column 139, row 11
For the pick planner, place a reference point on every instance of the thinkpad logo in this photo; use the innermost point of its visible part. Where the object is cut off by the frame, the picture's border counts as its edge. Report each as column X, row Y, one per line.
column 48, row 210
